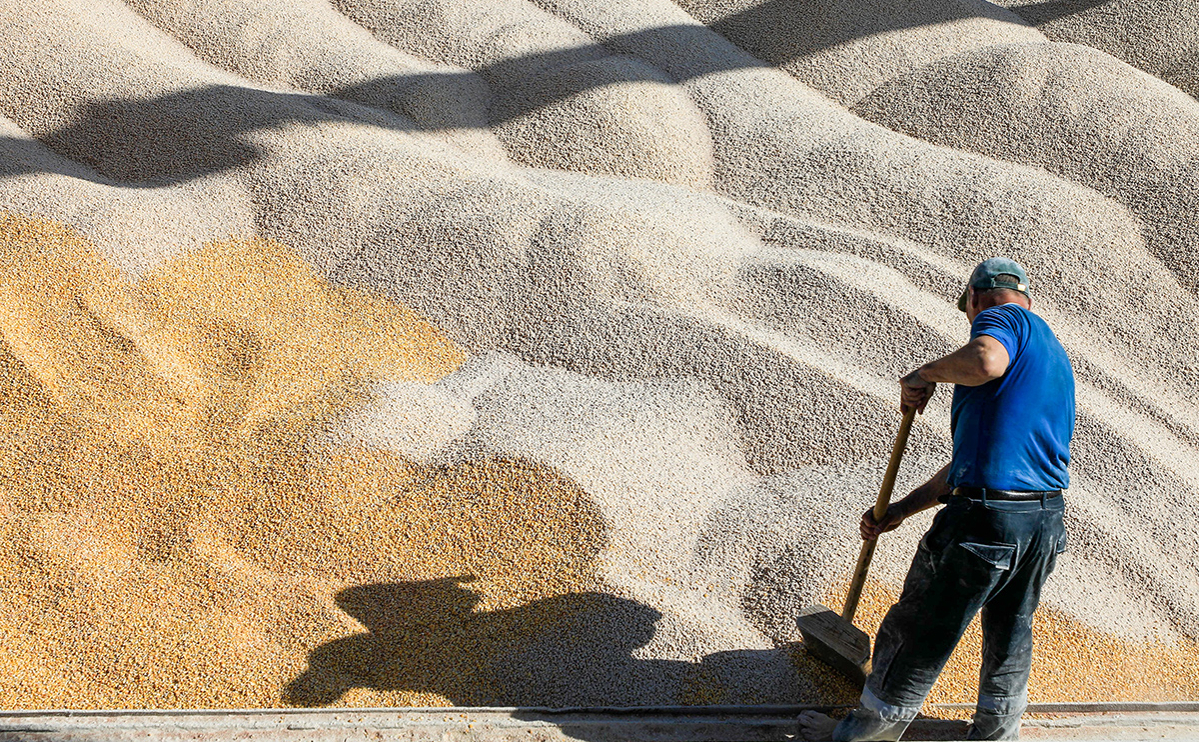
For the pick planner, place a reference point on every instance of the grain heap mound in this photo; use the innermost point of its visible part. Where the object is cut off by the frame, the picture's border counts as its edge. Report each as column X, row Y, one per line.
column 1161, row 38
column 543, row 352
column 847, row 48
column 1016, row 117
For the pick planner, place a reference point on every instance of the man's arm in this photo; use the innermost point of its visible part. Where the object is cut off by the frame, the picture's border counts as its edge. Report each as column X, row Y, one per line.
column 982, row 359
column 922, row 498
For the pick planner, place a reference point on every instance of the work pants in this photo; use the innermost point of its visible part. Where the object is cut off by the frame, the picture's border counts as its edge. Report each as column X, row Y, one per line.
column 988, row 555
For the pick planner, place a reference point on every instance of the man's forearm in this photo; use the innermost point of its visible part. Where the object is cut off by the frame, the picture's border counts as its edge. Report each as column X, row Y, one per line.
column 977, row 362
column 926, row 495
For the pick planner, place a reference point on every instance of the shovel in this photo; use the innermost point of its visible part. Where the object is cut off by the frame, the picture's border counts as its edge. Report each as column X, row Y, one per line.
column 832, row 638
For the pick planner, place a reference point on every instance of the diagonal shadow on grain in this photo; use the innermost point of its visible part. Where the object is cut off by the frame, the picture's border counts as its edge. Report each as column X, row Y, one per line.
column 197, row 132
column 1054, row 10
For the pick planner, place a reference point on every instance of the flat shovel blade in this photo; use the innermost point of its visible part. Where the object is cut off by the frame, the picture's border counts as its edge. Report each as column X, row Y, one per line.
column 836, row 642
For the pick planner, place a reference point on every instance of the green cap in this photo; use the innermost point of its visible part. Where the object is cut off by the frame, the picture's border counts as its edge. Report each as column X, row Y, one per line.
column 987, row 276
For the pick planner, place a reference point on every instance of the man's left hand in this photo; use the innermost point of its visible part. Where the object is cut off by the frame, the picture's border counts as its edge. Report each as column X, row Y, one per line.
column 872, row 529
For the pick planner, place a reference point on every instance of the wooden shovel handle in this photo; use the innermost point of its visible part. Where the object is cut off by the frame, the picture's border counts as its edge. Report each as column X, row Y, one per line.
column 880, row 510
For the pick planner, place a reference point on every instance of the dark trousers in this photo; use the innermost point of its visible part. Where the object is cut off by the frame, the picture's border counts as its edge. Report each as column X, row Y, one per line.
column 990, row 556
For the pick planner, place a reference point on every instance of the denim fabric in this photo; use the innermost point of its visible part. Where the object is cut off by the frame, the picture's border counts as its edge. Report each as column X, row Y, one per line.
column 874, row 719
column 990, row 556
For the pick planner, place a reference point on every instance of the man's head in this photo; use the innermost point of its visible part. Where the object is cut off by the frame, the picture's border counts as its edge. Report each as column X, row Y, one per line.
column 994, row 281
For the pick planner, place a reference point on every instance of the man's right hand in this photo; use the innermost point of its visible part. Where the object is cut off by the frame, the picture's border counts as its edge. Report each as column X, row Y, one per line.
column 871, row 529
column 914, row 391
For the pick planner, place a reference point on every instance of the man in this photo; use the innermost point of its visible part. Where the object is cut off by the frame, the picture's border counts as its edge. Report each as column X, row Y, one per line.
column 998, row 537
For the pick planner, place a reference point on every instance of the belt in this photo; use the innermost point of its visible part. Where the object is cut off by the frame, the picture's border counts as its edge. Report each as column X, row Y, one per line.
column 985, row 493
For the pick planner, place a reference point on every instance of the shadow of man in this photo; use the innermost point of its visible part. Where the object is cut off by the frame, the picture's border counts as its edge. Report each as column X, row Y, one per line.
column 573, row 651
column 427, row 637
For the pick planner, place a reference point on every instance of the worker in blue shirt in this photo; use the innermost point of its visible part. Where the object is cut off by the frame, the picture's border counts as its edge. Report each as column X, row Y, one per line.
column 995, row 542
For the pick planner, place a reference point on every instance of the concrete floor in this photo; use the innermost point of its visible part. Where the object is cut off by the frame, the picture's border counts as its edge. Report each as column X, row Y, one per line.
column 734, row 724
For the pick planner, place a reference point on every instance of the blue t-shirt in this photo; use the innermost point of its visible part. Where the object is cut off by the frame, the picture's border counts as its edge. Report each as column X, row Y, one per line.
column 1013, row 433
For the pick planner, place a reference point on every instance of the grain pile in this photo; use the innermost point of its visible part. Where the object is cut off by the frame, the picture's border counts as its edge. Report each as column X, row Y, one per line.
column 1037, row 104
column 170, row 539
column 1161, row 38
column 542, row 352
column 847, row 48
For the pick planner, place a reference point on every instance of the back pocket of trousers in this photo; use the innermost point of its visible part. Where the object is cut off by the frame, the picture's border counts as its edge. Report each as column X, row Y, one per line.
column 998, row 556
